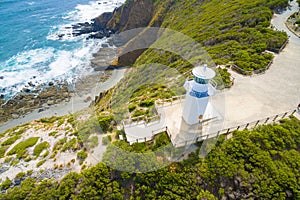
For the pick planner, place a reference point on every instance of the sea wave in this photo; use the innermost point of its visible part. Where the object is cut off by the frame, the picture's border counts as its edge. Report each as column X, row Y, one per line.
column 40, row 66
column 61, row 60
column 81, row 14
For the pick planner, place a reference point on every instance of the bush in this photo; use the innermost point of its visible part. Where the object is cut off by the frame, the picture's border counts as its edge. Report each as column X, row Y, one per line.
column 5, row 184
column 70, row 145
column 39, row 148
column 104, row 122
column 20, row 175
column 10, row 140
column 40, row 163
column 147, row 103
column 2, row 151
column 21, row 147
column 131, row 107
column 82, row 155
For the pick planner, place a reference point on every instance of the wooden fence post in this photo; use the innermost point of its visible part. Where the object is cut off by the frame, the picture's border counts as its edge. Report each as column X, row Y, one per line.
column 256, row 123
column 247, row 126
column 267, row 120
column 275, row 118
column 285, row 114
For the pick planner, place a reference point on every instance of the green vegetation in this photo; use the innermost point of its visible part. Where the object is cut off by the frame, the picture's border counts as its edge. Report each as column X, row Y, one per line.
column 93, row 142
column 39, row 148
column 104, row 122
column 3, row 150
column 106, row 140
column 50, row 120
column 20, row 175
column 70, row 145
column 5, row 184
column 235, row 31
column 82, row 155
column 20, row 148
column 58, row 145
column 10, row 140
column 259, row 164
column 53, row 134
column 40, row 163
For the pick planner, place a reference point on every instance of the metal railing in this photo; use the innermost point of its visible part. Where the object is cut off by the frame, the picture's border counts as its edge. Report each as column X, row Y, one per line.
column 143, row 119
column 170, row 101
column 247, row 126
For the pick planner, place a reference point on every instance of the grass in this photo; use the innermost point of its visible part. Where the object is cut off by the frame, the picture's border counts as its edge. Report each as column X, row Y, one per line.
column 20, row 148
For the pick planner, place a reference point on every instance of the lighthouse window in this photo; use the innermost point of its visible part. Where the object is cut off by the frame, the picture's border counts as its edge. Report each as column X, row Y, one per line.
column 200, row 80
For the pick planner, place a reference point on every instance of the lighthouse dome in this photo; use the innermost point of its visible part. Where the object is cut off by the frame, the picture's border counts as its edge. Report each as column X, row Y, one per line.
column 204, row 73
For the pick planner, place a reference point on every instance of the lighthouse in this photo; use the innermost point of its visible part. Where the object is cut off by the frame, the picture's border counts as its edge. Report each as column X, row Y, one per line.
column 196, row 107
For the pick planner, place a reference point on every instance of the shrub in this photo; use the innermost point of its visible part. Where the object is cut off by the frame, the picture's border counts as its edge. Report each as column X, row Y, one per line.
column 39, row 148
column 147, row 103
column 20, row 175
column 10, row 140
column 21, row 147
column 104, row 122
column 131, row 107
column 70, row 145
column 40, row 163
column 5, row 184
column 82, row 155
column 2, row 151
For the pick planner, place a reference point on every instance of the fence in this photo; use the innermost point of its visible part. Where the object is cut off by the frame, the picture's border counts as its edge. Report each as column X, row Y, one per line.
column 247, row 126
column 143, row 119
column 281, row 48
column 154, row 133
column 167, row 102
column 239, row 70
column 258, row 71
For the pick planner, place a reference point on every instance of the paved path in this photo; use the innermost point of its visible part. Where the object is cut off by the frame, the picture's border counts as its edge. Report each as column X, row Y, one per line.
column 76, row 104
column 276, row 91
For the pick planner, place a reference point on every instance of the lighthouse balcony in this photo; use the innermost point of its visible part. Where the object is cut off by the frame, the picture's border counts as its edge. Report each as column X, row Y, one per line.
column 198, row 90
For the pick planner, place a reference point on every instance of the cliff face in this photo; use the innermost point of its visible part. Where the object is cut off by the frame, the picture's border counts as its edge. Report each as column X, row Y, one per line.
column 133, row 14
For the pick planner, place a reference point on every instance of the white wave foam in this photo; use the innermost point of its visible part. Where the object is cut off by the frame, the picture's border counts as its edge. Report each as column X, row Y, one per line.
column 43, row 65
column 82, row 13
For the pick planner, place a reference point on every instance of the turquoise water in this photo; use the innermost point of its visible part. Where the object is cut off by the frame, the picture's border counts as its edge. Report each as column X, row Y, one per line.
column 30, row 49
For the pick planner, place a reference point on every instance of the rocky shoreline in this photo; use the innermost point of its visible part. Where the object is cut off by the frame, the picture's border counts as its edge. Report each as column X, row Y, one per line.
column 45, row 96
column 53, row 93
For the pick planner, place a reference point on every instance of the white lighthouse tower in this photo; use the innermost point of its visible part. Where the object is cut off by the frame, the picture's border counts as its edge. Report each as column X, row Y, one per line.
column 196, row 106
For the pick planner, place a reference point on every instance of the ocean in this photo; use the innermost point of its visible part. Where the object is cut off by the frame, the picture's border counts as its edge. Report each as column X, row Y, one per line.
column 31, row 51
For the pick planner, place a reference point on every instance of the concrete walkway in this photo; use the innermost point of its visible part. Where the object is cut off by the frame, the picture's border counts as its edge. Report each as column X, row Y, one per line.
column 276, row 91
